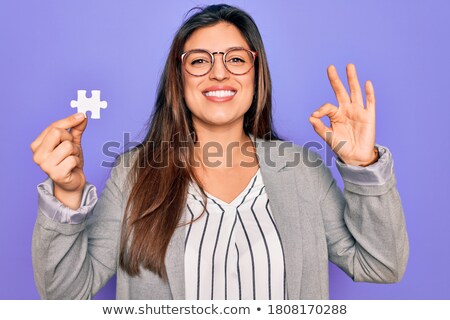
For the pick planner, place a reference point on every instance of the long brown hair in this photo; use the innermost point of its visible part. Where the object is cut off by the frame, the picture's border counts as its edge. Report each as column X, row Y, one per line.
column 161, row 173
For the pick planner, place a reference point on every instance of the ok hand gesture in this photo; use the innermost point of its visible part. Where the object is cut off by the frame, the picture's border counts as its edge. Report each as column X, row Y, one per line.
column 351, row 122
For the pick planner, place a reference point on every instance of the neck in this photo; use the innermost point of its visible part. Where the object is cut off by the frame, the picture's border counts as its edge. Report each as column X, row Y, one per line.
column 225, row 146
column 222, row 134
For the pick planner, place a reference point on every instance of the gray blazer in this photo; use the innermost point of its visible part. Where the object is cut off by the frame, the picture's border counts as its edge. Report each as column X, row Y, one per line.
column 361, row 230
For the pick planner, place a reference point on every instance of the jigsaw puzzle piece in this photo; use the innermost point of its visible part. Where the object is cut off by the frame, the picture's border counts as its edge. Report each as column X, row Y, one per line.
column 92, row 104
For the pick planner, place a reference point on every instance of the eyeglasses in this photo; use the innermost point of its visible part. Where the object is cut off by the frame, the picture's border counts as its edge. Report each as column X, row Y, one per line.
column 237, row 61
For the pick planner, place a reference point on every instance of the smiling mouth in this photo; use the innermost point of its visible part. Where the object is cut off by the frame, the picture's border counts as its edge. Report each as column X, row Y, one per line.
column 220, row 93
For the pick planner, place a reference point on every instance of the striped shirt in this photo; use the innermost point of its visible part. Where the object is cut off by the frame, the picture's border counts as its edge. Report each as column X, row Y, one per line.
column 233, row 251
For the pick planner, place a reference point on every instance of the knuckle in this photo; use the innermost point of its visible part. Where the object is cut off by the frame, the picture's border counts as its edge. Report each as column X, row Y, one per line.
column 67, row 146
column 73, row 162
column 45, row 167
column 33, row 146
column 71, row 148
column 36, row 158
column 58, row 175
column 54, row 132
column 327, row 107
column 39, row 157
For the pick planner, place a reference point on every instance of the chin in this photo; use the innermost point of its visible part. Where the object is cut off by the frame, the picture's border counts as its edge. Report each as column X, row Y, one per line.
column 219, row 114
column 220, row 118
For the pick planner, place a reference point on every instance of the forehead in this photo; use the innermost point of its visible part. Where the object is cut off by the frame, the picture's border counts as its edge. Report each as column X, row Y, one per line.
column 218, row 37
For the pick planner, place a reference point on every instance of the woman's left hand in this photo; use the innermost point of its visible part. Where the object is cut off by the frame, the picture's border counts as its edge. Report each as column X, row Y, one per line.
column 352, row 127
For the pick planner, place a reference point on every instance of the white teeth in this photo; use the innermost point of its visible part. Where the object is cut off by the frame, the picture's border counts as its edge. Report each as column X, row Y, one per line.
column 220, row 93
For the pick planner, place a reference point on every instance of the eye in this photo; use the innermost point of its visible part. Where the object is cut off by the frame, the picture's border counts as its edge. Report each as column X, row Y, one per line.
column 198, row 61
column 236, row 60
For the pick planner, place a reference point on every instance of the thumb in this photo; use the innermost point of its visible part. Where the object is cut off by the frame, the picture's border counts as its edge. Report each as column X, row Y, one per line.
column 77, row 131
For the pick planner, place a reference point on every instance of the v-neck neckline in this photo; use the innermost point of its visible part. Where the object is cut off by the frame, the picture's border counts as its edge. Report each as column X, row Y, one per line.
column 236, row 202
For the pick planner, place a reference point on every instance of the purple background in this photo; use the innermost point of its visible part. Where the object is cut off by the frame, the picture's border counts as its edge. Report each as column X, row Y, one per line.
column 50, row 49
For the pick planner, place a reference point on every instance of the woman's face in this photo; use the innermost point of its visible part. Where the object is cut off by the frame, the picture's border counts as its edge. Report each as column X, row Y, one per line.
column 209, row 110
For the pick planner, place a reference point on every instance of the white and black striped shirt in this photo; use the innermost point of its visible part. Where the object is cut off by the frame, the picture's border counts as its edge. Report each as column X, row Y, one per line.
column 234, row 250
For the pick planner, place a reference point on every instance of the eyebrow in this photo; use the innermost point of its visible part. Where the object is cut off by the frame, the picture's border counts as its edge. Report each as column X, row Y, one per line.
column 229, row 48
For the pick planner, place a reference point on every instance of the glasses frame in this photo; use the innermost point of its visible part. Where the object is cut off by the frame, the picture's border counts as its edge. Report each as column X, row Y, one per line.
column 224, row 54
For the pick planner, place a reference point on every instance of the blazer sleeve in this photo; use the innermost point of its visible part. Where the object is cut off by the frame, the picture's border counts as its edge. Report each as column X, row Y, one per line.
column 365, row 225
column 75, row 252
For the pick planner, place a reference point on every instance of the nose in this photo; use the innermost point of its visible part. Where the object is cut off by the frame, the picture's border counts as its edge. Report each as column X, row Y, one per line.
column 218, row 71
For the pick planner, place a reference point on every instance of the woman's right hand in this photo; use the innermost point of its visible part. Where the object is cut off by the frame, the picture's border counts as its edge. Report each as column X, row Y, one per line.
column 57, row 151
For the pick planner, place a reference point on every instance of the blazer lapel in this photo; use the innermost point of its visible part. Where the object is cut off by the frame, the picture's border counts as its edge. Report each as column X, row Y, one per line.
column 175, row 264
column 281, row 191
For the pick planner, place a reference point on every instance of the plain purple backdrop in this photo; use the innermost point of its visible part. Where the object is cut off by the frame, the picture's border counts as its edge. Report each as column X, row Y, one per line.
column 50, row 49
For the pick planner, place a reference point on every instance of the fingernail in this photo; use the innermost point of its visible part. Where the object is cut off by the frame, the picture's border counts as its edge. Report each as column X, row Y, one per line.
column 79, row 115
column 315, row 113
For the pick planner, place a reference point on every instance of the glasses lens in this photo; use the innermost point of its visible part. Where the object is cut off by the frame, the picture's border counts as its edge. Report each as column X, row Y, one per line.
column 198, row 62
column 239, row 61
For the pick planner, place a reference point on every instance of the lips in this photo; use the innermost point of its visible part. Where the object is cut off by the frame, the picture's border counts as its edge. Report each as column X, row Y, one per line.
column 219, row 93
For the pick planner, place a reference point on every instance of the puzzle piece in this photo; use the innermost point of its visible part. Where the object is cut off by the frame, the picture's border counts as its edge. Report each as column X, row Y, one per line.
column 92, row 104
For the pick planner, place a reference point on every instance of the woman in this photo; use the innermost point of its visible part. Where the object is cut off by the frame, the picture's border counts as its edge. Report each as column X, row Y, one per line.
column 214, row 205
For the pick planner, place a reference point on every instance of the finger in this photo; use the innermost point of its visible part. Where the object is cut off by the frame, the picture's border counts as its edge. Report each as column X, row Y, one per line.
column 370, row 96
column 322, row 130
column 53, row 138
column 65, row 168
column 64, row 150
column 353, row 83
column 326, row 110
column 65, row 123
column 77, row 131
column 338, row 88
